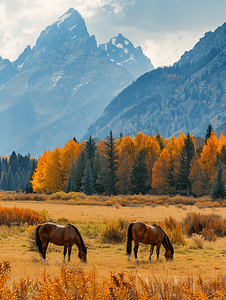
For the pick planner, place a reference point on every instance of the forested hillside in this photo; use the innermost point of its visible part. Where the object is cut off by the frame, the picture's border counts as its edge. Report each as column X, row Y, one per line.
column 187, row 96
column 144, row 164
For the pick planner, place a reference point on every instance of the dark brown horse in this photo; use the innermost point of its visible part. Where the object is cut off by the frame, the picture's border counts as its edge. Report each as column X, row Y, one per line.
column 148, row 234
column 62, row 236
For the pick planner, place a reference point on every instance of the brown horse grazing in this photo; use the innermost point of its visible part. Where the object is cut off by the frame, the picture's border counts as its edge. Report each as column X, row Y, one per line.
column 62, row 236
column 148, row 234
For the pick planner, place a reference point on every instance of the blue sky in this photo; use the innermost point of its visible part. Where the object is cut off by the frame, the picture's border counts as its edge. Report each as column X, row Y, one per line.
column 165, row 29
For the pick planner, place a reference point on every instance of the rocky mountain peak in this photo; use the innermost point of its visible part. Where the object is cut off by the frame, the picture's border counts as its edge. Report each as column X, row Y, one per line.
column 67, row 28
column 121, row 51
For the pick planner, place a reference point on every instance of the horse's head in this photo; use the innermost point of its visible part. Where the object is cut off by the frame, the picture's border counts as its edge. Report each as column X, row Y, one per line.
column 82, row 255
column 168, row 255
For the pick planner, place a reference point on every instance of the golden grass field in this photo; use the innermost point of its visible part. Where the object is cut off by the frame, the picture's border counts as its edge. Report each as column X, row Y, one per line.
column 189, row 261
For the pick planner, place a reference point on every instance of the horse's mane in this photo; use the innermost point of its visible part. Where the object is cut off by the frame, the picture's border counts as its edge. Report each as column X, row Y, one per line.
column 166, row 237
column 80, row 237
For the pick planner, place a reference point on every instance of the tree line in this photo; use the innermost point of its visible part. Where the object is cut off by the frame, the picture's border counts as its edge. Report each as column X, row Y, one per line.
column 141, row 165
column 15, row 172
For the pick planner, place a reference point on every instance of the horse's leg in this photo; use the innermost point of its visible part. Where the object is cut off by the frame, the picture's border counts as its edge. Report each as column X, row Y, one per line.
column 151, row 251
column 157, row 250
column 65, row 252
column 44, row 248
column 69, row 253
column 136, row 250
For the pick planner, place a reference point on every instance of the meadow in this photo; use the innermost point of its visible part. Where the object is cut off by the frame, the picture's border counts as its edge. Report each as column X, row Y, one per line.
column 197, row 259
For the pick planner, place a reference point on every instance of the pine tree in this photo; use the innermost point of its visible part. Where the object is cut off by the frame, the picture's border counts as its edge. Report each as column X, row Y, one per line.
column 70, row 185
column 77, row 172
column 111, row 161
column 139, row 175
column 208, row 132
column 88, row 180
column 186, row 156
column 29, row 188
column 171, row 178
column 124, row 173
column 218, row 189
column 90, row 150
column 161, row 141
column 13, row 163
column 97, row 167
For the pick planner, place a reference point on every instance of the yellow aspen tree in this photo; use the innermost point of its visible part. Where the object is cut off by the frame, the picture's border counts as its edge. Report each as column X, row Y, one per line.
column 175, row 146
column 125, row 143
column 160, row 172
column 197, row 177
column 209, row 156
column 69, row 155
column 54, row 179
column 124, row 172
column 38, row 180
column 152, row 150
column 138, row 144
column 100, row 147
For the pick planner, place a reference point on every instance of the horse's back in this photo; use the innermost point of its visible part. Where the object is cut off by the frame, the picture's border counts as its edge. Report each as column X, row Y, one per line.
column 138, row 230
column 52, row 232
column 147, row 234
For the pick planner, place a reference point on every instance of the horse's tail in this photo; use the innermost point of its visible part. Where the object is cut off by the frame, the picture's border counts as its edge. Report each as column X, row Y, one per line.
column 38, row 240
column 129, row 239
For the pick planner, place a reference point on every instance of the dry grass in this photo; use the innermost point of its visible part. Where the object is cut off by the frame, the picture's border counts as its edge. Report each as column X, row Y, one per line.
column 83, row 213
column 189, row 260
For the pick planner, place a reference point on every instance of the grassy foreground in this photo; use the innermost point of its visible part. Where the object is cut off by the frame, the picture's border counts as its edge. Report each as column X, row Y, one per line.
column 193, row 261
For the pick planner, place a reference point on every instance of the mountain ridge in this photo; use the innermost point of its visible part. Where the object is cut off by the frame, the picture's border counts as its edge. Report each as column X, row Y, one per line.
column 187, row 96
column 55, row 90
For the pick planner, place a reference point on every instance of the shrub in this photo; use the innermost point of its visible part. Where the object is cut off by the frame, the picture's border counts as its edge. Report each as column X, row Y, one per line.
column 73, row 282
column 115, row 231
column 196, row 223
column 209, row 235
column 63, row 221
column 198, row 239
column 19, row 216
column 91, row 229
column 174, row 231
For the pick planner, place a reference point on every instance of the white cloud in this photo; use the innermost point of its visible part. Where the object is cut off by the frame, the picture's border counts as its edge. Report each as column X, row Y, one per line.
column 166, row 49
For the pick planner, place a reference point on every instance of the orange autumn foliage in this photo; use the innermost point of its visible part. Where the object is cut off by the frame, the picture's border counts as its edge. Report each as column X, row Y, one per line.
column 209, row 155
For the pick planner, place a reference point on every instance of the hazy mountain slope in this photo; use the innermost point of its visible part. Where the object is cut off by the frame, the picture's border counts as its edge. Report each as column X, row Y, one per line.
column 187, row 96
column 54, row 91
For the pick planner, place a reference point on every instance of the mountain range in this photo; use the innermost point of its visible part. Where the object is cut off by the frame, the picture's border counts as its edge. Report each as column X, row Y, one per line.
column 187, row 96
column 55, row 90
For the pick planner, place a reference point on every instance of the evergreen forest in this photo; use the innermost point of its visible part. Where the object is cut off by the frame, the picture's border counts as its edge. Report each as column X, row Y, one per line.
column 16, row 172
column 140, row 165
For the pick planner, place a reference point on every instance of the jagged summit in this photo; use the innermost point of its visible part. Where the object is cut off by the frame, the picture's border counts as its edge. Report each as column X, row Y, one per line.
column 67, row 28
column 55, row 90
column 122, row 52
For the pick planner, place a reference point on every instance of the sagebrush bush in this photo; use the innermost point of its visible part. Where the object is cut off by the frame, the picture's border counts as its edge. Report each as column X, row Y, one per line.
column 115, row 231
column 174, row 231
column 198, row 223
column 19, row 216
column 198, row 239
